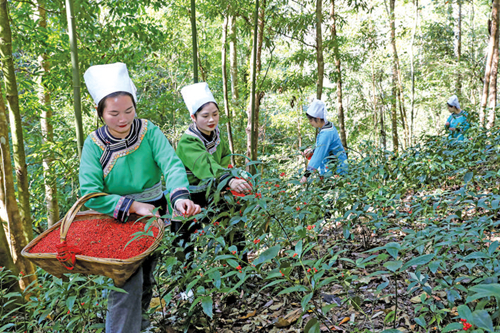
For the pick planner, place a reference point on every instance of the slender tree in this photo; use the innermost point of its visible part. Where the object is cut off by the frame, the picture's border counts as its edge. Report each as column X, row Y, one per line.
column 255, row 96
column 9, row 210
column 394, row 98
column 233, row 60
column 412, row 69
column 194, row 40
column 46, row 127
column 21, row 170
column 492, row 98
column 458, row 86
column 77, row 103
column 224, row 86
column 319, row 49
column 338, row 68
column 493, row 42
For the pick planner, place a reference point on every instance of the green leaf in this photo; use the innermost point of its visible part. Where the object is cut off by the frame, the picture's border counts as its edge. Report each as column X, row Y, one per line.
column 419, row 261
column 267, row 255
column 434, row 266
column 482, row 319
column 43, row 316
column 207, row 303
column 464, row 312
column 328, row 307
column 421, row 321
column 476, row 255
column 305, row 301
column 393, row 249
column 70, row 301
column 273, row 283
column 485, row 290
column 215, row 276
column 468, row 176
column 298, row 248
column 453, row 327
column 292, row 289
column 394, row 265
column 312, row 326
column 392, row 330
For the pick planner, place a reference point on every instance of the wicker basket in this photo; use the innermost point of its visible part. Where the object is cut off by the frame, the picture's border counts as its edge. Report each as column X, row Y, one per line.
column 117, row 269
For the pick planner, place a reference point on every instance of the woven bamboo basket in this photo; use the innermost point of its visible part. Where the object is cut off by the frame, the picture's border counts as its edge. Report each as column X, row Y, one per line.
column 117, row 269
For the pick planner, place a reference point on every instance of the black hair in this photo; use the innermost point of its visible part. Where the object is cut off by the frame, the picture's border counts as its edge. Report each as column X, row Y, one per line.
column 102, row 102
column 312, row 118
column 201, row 107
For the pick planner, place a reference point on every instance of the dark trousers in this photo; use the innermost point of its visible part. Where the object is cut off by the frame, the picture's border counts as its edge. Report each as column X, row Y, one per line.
column 185, row 230
column 125, row 310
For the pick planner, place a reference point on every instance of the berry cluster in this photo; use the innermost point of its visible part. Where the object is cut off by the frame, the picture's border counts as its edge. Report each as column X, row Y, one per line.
column 466, row 324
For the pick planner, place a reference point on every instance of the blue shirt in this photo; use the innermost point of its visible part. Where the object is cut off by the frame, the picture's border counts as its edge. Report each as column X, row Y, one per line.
column 459, row 123
column 328, row 148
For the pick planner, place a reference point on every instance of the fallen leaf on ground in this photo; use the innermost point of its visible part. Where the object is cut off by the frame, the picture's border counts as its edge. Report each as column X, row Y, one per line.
column 343, row 321
column 248, row 315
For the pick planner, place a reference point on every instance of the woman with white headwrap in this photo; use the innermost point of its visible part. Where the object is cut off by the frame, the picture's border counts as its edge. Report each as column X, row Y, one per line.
column 457, row 123
column 206, row 157
column 328, row 147
column 126, row 158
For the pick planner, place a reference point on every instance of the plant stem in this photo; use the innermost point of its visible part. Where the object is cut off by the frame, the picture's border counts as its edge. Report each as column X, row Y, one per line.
column 395, row 278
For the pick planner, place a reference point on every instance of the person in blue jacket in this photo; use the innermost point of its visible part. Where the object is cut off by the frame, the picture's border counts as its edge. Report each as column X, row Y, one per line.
column 457, row 123
column 328, row 147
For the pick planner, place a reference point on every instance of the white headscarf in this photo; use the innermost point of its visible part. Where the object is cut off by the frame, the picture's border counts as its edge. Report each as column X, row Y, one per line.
column 195, row 95
column 102, row 80
column 317, row 109
column 453, row 101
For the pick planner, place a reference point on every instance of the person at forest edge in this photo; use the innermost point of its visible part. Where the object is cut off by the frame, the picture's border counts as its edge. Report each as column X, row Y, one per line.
column 328, row 144
column 126, row 159
column 205, row 154
column 457, row 123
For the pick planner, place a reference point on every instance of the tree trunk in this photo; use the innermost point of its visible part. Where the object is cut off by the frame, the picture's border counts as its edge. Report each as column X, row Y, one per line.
column 319, row 49
column 9, row 211
column 340, row 109
column 253, row 114
column 233, row 61
column 76, row 75
column 458, row 86
column 194, row 41
column 394, row 114
column 412, row 69
column 47, row 130
column 21, row 169
column 492, row 99
column 489, row 59
column 224, row 85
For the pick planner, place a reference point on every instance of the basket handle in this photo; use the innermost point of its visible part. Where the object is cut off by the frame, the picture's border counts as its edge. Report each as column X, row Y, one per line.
column 70, row 215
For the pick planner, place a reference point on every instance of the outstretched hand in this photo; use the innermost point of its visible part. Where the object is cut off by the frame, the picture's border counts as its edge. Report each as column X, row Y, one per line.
column 143, row 209
column 187, row 208
column 240, row 185
column 307, row 153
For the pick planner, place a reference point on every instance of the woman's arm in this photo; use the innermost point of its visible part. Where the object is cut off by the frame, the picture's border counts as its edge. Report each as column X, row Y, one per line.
column 92, row 180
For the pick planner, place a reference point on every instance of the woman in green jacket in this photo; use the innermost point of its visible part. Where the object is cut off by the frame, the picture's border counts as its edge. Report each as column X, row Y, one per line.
column 205, row 155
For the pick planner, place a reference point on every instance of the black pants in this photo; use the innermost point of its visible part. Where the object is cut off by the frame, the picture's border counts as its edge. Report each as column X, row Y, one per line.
column 185, row 230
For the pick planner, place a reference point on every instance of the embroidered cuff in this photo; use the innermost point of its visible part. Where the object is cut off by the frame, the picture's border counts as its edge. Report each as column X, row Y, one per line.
column 224, row 177
column 179, row 193
column 122, row 208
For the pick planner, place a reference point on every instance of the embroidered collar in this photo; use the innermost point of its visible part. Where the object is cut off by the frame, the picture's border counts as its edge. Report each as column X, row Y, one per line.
column 114, row 148
column 210, row 145
column 460, row 114
column 328, row 125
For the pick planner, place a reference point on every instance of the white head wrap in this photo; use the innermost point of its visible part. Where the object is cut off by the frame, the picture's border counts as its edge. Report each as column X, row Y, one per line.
column 102, row 80
column 453, row 101
column 195, row 95
column 317, row 109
